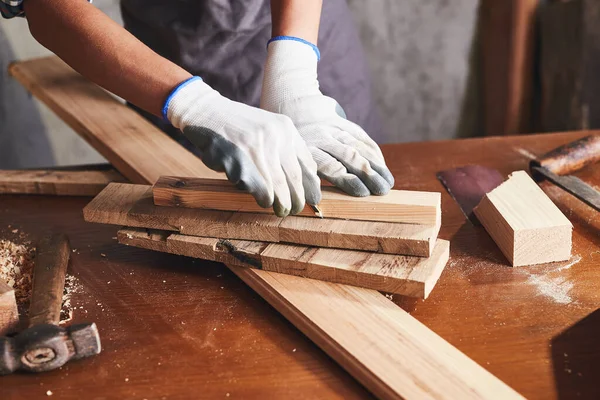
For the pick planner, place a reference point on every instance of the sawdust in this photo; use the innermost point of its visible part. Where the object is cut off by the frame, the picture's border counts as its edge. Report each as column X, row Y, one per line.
column 72, row 286
column 554, row 287
column 16, row 268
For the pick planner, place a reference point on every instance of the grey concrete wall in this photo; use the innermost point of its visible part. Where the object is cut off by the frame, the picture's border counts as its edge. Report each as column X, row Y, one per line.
column 420, row 53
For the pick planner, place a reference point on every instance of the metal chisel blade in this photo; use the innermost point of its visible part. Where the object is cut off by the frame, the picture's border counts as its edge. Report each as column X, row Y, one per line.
column 573, row 185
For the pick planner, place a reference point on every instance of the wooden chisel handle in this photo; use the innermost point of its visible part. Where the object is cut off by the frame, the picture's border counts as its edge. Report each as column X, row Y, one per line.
column 572, row 156
column 49, row 272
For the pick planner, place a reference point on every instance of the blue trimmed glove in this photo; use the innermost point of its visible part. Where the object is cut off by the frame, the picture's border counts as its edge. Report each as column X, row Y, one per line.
column 345, row 155
column 261, row 152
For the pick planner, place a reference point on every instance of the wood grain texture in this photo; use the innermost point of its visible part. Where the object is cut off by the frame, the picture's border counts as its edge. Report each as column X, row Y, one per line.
column 518, row 323
column 507, row 59
column 118, row 133
column 569, row 61
column 401, row 206
column 571, row 157
column 9, row 316
column 51, row 262
column 308, row 304
column 131, row 205
column 408, row 276
column 56, row 182
column 415, row 362
column 525, row 224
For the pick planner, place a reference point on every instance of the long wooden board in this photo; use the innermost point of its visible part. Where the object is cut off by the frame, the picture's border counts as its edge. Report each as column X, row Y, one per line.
column 525, row 224
column 56, row 182
column 402, row 206
column 381, row 345
column 118, row 133
column 407, row 276
column 131, row 205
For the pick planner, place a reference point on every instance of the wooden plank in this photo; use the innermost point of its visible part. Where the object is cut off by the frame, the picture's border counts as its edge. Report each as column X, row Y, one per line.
column 56, row 182
column 413, row 361
column 569, row 61
column 131, row 205
column 9, row 316
column 402, row 206
column 371, row 337
column 380, row 344
column 408, row 276
column 118, row 133
column 525, row 223
column 507, row 59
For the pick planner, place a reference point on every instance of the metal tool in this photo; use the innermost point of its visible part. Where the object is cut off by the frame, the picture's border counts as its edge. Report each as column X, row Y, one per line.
column 44, row 345
column 566, row 160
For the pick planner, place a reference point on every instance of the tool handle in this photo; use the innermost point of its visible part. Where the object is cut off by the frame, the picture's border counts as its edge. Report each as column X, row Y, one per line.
column 572, row 156
column 49, row 272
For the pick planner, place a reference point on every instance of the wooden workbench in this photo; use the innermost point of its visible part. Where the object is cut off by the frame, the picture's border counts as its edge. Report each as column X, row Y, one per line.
column 173, row 326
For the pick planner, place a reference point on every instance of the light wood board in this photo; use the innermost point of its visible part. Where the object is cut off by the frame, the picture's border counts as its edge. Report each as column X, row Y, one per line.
column 56, row 182
column 407, row 276
column 525, row 224
column 383, row 347
column 9, row 316
column 131, row 205
column 118, row 133
column 402, row 206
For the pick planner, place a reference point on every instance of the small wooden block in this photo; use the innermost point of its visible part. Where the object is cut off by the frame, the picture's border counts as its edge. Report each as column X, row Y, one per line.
column 9, row 316
column 131, row 205
column 408, row 276
column 525, row 224
column 397, row 206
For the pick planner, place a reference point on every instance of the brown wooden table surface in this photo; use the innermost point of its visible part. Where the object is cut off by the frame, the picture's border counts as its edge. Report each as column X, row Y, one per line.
column 174, row 327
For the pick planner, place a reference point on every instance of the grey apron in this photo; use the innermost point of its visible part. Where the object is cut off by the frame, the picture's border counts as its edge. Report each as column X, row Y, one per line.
column 224, row 42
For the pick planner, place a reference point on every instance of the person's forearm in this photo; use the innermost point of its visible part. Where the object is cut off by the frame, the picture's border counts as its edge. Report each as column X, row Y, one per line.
column 299, row 18
column 104, row 52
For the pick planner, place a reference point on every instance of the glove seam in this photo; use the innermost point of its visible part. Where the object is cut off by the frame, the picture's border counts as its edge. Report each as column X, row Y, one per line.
column 171, row 95
column 297, row 39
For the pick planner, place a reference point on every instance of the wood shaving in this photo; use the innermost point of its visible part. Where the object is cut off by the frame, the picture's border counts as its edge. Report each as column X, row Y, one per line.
column 72, row 286
column 16, row 268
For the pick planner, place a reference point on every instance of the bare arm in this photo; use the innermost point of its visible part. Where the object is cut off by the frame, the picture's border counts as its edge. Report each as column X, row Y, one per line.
column 299, row 18
column 104, row 52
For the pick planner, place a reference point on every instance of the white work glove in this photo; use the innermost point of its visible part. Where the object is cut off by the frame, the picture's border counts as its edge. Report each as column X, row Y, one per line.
column 259, row 151
column 346, row 156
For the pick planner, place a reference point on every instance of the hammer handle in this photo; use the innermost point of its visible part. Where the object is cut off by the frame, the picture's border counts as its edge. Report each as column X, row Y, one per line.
column 49, row 272
column 572, row 156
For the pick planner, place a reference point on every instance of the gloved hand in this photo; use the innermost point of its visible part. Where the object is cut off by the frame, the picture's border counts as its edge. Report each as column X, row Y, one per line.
column 346, row 156
column 259, row 151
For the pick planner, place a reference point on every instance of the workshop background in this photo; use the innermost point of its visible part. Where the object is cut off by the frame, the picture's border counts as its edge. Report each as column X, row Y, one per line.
column 419, row 52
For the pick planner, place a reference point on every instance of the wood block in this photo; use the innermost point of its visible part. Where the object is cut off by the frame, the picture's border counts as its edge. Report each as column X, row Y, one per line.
column 131, row 205
column 408, row 276
column 397, row 206
column 525, row 223
column 9, row 316
column 55, row 182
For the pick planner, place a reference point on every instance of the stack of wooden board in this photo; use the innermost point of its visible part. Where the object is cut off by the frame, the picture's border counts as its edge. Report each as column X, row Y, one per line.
column 386, row 349
column 396, row 257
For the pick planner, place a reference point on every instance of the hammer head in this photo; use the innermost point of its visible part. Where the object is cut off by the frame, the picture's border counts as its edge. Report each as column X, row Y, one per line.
column 46, row 347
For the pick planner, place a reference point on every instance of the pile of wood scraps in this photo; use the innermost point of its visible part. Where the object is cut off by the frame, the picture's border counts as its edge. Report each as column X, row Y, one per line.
column 396, row 257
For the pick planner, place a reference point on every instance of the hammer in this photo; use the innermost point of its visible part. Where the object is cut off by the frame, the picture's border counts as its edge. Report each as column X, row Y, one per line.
column 44, row 345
